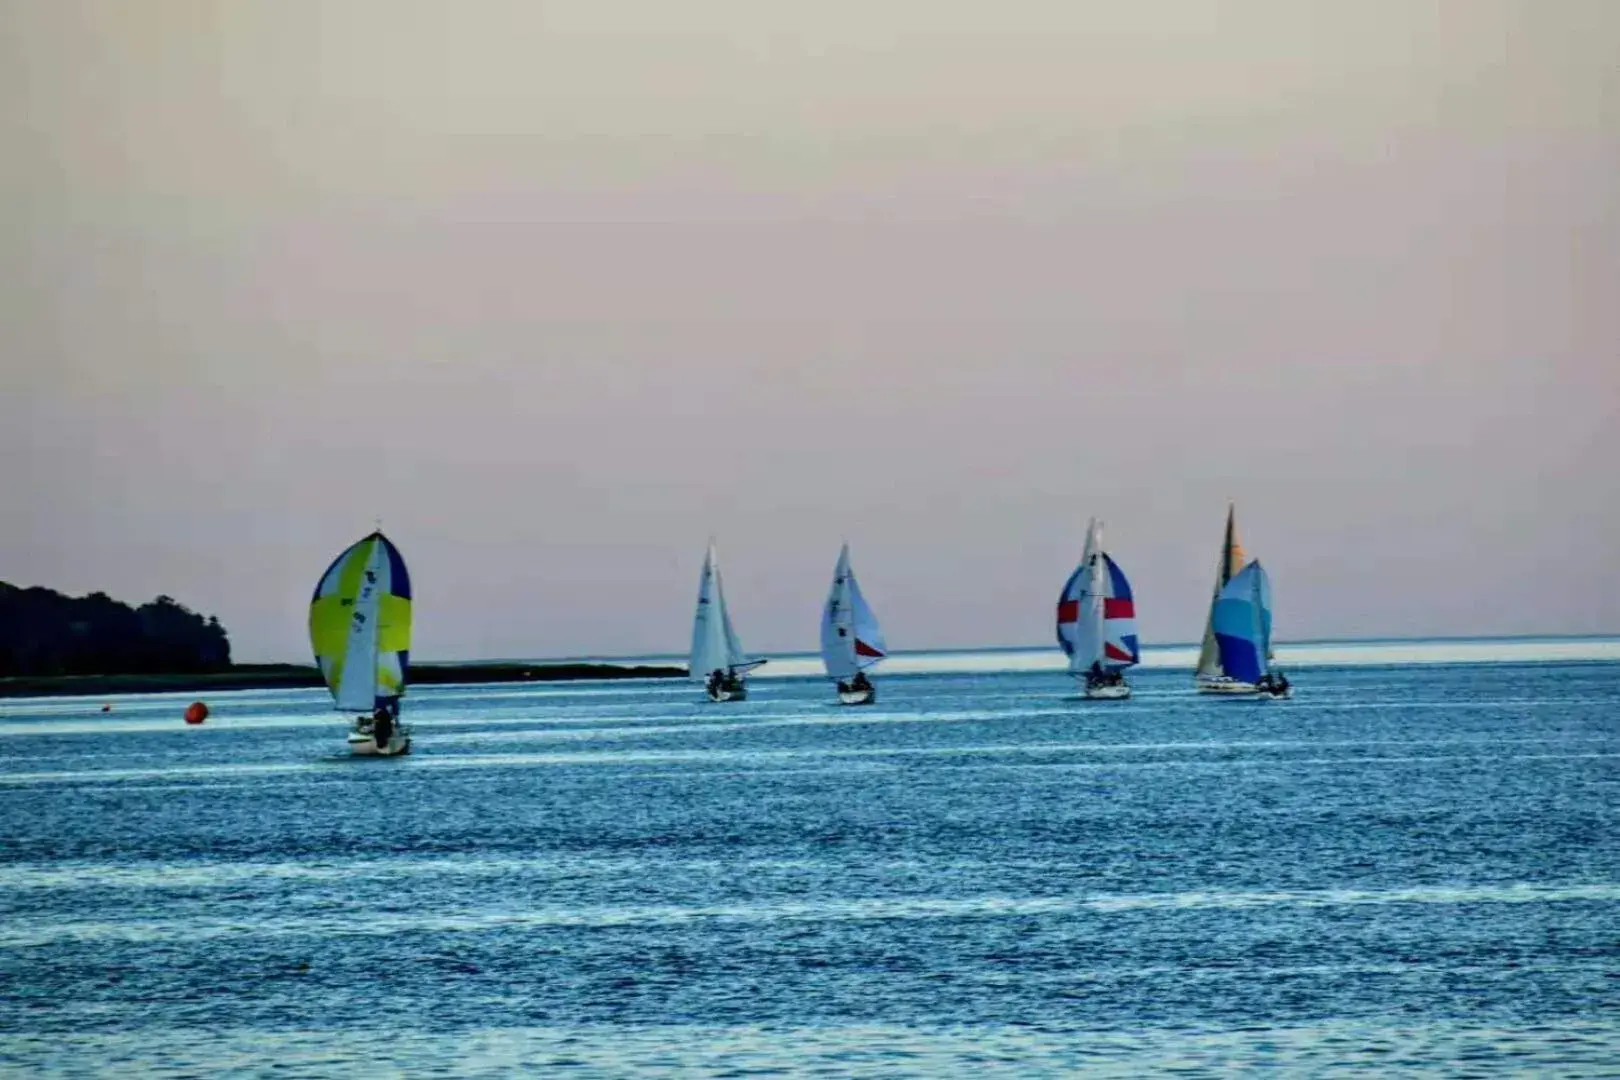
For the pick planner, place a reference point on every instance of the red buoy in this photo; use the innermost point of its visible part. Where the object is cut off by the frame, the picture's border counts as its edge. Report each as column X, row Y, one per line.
column 196, row 712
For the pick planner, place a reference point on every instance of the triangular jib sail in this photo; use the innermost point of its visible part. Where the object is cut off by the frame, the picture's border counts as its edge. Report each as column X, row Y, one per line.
column 851, row 638
column 715, row 645
column 1241, row 618
column 1096, row 613
column 1231, row 561
column 360, row 625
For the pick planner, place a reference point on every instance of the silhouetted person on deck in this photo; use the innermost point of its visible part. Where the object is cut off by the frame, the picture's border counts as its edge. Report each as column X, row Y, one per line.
column 382, row 726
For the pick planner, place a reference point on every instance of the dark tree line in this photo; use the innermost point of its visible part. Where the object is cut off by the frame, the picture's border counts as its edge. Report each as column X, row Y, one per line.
column 43, row 632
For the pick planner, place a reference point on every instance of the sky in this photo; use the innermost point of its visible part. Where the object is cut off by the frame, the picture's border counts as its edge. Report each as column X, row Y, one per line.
column 558, row 290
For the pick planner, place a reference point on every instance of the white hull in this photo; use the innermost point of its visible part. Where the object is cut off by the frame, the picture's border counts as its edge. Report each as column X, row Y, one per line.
column 739, row 694
column 362, row 745
column 857, row 697
column 1225, row 684
column 1117, row 692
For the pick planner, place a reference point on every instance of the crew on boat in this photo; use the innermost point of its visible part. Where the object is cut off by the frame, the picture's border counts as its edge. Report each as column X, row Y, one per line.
column 1097, row 675
column 859, row 684
column 726, row 680
column 382, row 725
column 1273, row 682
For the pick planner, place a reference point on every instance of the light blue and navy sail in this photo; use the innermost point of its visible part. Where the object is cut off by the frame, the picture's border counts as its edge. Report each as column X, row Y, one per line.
column 1241, row 620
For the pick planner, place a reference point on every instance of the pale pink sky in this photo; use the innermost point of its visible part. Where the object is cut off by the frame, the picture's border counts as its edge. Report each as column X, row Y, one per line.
column 557, row 290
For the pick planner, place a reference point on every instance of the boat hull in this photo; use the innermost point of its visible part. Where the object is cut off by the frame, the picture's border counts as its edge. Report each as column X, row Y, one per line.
column 857, row 697
column 721, row 695
column 364, row 745
column 1225, row 685
column 1116, row 692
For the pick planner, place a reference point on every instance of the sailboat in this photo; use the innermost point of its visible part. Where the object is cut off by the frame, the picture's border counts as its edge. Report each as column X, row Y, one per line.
column 1241, row 619
column 1096, row 622
column 360, row 630
column 718, row 660
column 851, row 640
column 1212, row 676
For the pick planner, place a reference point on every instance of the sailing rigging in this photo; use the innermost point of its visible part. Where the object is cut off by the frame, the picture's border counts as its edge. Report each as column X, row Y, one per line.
column 360, row 633
column 717, row 657
column 851, row 639
column 1096, row 622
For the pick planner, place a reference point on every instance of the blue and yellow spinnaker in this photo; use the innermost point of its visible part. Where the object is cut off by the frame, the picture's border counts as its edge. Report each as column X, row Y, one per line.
column 360, row 625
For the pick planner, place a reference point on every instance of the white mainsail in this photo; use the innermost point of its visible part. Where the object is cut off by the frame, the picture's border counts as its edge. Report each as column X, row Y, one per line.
column 357, row 688
column 1088, row 597
column 851, row 638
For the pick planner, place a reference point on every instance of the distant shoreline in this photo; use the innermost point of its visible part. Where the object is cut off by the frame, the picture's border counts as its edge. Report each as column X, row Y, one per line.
column 1357, row 652
column 298, row 676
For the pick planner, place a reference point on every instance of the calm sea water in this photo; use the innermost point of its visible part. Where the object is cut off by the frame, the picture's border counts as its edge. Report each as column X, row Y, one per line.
column 1406, row 869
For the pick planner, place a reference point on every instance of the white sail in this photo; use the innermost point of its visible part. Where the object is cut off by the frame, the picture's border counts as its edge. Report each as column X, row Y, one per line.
column 357, row 689
column 708, row 625
column 838, row 624
column 869, row 645
column 715, row 645
column 737, row 659
column 1088, row 627
column 851, row 638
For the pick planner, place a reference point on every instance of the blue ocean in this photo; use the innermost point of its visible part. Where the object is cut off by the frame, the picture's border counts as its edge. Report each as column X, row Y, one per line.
column 1412, row 868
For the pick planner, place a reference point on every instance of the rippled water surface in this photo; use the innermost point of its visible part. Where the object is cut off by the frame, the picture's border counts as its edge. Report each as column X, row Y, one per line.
column 1413, row 868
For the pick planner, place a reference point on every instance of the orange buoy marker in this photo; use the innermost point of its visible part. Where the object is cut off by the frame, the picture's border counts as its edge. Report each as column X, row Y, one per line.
column 196, row 712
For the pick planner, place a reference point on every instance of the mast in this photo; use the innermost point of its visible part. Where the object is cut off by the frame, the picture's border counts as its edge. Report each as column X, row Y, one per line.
column 1098, row 607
